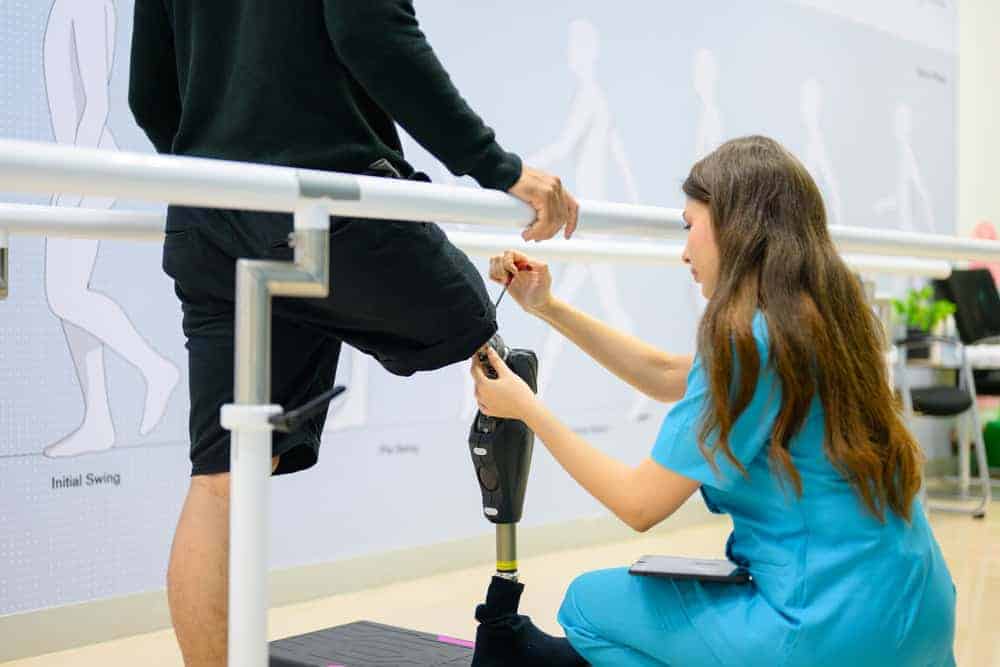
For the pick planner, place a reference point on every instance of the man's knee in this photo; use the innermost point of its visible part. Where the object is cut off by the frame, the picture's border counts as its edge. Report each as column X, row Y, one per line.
column 218, row 483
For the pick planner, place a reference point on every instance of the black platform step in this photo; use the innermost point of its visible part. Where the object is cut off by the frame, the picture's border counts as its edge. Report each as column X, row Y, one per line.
column 367, row 644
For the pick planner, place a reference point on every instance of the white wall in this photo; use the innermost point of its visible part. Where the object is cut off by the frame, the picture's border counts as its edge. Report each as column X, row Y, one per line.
column 978, row 109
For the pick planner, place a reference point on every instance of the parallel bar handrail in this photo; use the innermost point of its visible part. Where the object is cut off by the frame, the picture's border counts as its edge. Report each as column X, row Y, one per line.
column 668, row 253
column 81, row 223
column 35, row 220
column 914, row 244
column 46, row 168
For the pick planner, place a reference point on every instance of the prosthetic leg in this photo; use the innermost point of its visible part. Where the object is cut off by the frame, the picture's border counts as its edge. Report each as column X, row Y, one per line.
column 501, row 455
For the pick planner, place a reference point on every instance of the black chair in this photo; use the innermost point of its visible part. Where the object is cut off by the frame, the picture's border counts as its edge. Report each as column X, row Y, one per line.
column 987, row 381
column 958, row 401
column 977, row 316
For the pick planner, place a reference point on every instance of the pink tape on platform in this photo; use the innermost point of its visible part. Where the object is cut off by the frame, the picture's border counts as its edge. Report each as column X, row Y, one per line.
column 444, row 639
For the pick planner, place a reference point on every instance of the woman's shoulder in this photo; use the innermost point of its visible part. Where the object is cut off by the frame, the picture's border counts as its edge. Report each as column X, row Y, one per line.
column 758, row 327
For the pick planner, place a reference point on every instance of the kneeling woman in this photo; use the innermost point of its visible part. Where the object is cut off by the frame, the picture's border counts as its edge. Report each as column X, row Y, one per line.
column 784, row 420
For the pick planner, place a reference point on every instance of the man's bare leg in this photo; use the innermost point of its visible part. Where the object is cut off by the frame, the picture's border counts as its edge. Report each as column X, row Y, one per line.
column 198, row 574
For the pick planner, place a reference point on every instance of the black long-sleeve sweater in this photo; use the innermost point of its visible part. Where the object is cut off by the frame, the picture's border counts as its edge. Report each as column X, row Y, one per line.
column 303, row 83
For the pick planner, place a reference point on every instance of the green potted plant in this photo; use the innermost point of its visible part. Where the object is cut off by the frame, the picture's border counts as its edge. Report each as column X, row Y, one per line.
column 921, row 313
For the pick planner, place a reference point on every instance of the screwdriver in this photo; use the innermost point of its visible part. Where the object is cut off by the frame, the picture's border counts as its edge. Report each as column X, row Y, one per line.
column 500, row 298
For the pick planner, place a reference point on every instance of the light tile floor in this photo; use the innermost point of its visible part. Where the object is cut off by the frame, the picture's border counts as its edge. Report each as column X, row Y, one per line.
column 444, row 603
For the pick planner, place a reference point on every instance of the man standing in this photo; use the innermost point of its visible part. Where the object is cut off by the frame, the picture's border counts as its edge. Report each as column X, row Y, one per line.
column 309, row 85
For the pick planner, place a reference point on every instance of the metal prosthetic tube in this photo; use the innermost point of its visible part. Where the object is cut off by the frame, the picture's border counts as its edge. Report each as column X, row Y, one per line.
column 507, row 550
column 501, row 455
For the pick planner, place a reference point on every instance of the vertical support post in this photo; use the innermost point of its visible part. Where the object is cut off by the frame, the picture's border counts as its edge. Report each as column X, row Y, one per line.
column 965, row 436
column 977, row 439
column 507, row 551
column 250, row 470
column 250, row 454
column 4, row 263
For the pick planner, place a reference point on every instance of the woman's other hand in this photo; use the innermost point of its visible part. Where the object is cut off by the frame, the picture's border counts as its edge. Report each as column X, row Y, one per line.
column 528, row 280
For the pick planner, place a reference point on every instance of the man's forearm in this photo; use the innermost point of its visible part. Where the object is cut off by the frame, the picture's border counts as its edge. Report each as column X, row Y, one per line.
column 659, row 375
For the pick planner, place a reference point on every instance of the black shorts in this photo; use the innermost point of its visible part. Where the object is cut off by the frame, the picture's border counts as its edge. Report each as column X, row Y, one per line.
column 399, row 291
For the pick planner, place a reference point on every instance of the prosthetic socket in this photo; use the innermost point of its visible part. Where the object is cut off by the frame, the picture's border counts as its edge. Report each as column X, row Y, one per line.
column 501, row 448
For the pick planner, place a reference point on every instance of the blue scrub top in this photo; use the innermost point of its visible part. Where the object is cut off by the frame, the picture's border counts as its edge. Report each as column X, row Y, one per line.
column 830, row 581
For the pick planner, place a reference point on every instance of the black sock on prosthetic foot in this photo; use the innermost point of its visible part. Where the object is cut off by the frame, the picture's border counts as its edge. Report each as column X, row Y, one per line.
column 505, row 638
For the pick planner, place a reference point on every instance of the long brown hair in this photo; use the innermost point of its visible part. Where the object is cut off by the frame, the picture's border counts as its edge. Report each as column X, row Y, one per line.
column 776, row 256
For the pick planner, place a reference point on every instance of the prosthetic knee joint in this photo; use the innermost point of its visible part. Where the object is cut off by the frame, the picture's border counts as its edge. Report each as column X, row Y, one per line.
column 501, row 456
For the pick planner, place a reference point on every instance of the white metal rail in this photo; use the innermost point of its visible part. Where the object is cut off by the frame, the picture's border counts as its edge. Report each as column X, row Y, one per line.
column 32, row 220
column 47, row 168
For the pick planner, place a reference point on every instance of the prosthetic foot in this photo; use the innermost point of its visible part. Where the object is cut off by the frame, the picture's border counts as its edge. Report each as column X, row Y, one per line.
column 501, row 456
column 505, row 637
